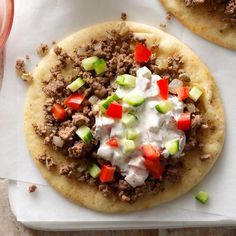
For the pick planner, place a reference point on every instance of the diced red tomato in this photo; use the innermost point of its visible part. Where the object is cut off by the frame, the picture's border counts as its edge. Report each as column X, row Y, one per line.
column 141, row 53
column 58, row 111
column 114, row 110
column 113, row 142
column 74, row 100
column 163, row 87
column 184, row 122
column 107, row 173
column 182, row 92
column 154, row 167
column 150, row 152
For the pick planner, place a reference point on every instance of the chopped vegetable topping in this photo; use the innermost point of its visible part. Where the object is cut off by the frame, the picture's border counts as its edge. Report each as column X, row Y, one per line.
column 100, row 66
column 182, row 92
column 94, row 170
column 74, row 101
column 104, row 105
column 202, row 197
column 113, row 142
column 107, row 173
column 114, row 110
column 128, row 120
column 88, row 63
column 134, row 99
column 58, row 112
column 128, row 145
column 84, row 133
column 75, row 85
column 163, row 87
column 154, row 167
column 184, row 122
column 164, row 106
column 131, row 134
column 195, row 93
column 172, row 146
column 126, row 80
column 150, row 152
column 141, row 53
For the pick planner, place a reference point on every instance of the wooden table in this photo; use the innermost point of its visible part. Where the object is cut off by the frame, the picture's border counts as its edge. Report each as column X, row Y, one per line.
column 10, row 226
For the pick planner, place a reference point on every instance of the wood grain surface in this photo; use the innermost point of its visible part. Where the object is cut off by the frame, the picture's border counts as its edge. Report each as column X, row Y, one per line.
column 10, row 227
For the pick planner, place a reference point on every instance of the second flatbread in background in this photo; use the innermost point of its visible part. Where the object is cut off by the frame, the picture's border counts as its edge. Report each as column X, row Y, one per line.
column 216, row 26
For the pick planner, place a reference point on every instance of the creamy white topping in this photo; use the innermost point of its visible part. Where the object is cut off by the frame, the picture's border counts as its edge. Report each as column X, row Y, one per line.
column 152, row 126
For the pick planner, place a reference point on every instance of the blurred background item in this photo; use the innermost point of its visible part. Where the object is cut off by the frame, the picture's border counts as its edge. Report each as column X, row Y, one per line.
column 6, row 19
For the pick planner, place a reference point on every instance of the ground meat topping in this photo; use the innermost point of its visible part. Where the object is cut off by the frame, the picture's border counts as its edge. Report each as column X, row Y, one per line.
column 123, row 16
column 20, row 66
column 79, row 149
column 67, row 170
column 190, row 3
column 117, row 50
column 32, row 188
column 213, row 5
column 67, row 133
column 47, row 160
column 231, row 8
column 79, row 119
column 42, row 50
column 40, row 130
column 54, row 88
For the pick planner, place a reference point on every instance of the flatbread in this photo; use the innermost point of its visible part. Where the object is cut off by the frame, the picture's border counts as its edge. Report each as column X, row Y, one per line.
column 206, row 25
column 195, row 170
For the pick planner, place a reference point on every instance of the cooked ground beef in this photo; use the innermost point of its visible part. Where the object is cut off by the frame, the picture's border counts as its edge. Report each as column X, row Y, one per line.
column 118, row 52
column 67, row 170
column 32, row 188
column 20, row 67
column 54, row 88
column 123, row 16
column 42, row 50
column 213, row 5
column 47, row 160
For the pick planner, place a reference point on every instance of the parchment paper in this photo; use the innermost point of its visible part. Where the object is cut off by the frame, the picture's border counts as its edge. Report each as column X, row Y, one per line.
column 44, row 21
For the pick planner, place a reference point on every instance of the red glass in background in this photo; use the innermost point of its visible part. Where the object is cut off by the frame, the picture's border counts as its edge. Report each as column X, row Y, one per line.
column 6, row 19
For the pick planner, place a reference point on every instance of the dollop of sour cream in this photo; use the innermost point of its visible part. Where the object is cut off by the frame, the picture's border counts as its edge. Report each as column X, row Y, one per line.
column 152, row 127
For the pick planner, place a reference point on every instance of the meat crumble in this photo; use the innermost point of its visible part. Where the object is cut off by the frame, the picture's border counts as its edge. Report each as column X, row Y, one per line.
column 32, row 188
column 118, row 52
column 42, row 50
column 229, row 6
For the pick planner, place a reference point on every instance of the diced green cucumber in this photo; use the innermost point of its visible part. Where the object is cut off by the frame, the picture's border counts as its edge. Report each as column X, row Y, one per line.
column 75, row 85
column 84, row 133
column 94, row 170
column 128, row 120
column 164, row 106
column 134, row 99
column 131, row 134
column 100, row 66
column 172, row 146
column 88, row 63
column 105, row 104
column 128, row 145
column 126, row 80
column 195, row 93
column 127, row 107
column 202, row 197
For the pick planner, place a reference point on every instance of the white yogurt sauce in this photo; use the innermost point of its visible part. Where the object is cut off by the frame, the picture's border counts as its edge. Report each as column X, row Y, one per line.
column 153, row 127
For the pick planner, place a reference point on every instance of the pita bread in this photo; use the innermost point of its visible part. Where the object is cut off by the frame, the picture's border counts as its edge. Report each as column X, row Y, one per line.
column 206, row 25
column 195, row 170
